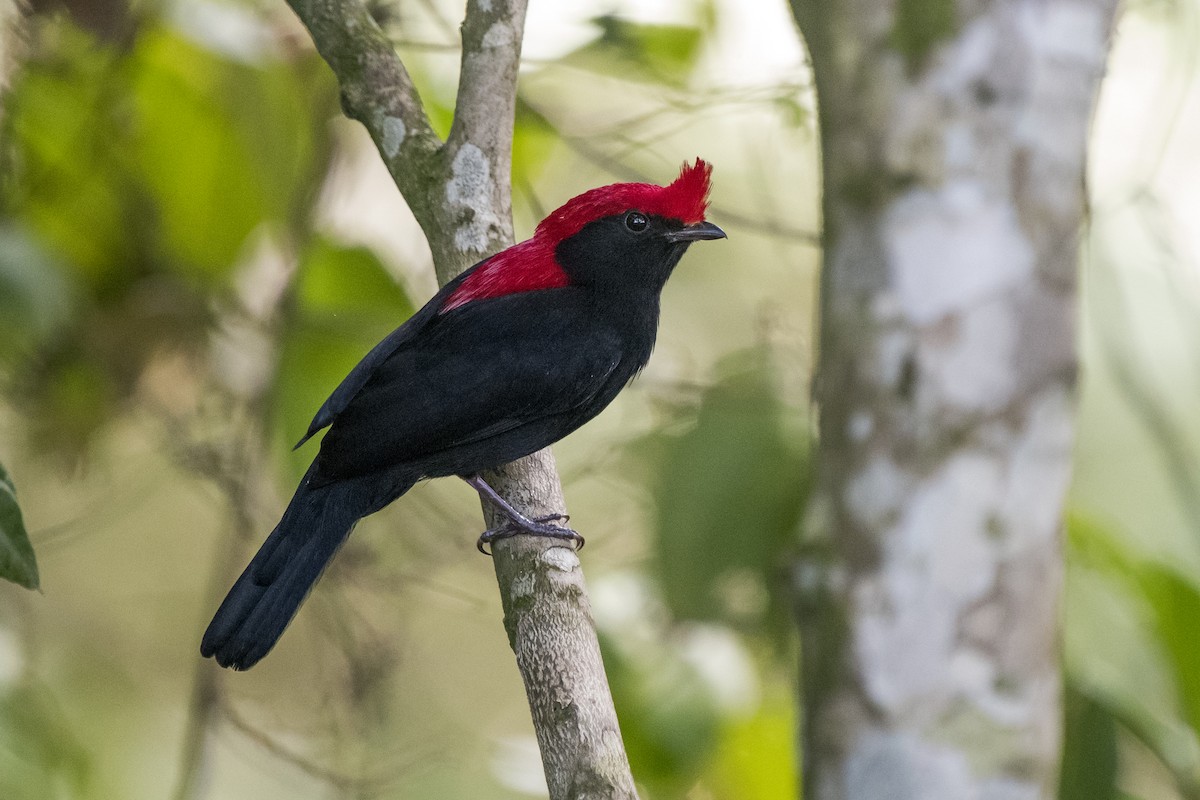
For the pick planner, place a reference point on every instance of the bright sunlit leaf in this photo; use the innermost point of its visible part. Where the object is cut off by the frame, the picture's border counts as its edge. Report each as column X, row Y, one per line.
column 756, row 759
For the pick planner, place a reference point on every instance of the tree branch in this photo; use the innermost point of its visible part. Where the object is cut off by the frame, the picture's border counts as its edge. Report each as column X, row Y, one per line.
column 460, row 193
column 376, row 90
column 549, row 623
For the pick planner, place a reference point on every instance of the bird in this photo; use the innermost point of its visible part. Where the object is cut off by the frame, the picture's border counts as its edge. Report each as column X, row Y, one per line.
column 509, row 357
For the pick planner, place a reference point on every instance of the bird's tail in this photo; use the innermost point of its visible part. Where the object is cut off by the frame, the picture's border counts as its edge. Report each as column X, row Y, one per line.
column 265, row 598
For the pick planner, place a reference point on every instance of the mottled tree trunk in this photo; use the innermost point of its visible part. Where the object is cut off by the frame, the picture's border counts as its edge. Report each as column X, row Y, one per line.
column 954, row 134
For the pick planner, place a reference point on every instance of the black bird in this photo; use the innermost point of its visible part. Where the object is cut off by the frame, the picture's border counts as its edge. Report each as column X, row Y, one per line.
column 511, row 356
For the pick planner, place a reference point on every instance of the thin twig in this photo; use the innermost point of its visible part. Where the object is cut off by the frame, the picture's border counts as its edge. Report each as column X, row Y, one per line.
column 306, row 765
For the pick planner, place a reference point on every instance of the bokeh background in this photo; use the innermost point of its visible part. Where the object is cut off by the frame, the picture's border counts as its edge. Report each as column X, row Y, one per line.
column 194, row 249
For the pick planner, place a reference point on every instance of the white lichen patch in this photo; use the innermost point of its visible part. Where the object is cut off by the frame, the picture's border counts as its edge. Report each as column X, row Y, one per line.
column 523, row 584
column 959, row 144
column 952, row 248
column 499, row 35
column 860, row 426
column 561, row 559
column 940, row 560
column 393, row 133
column 892, row 351
column 901, row 766
column 970, row 57
column 1009, row 789
column 469, row 195
column 973, row 368
column 874, row 496
column 944, row 531
column 1067, row 40
column 974, row 674
column 1066, row 31
column 1039, row 469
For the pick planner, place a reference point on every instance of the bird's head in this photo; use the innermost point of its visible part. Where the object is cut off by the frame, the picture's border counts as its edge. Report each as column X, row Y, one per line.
column 625, row 236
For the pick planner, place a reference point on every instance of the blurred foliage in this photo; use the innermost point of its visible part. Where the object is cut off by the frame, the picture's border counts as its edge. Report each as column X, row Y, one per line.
column 646, row 52
column 756, row 757
column 344, row 303
column 35, row 296
column 137, row 177
column 1165, row 606
column 17, row 562
column 1089, row 762
column 150, row 184
column 40, row 758
column 144, row 183
column 669, row 718
column 729, row 496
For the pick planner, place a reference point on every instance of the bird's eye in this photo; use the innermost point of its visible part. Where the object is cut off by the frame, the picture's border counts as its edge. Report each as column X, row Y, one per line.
column 636, row 221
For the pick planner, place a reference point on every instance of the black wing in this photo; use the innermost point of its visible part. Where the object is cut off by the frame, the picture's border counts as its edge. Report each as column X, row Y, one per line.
column 357, row 378
column 523, row 368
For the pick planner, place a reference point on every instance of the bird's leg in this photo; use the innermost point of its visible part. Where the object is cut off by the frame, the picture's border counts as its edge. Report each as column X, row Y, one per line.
column 518, row 522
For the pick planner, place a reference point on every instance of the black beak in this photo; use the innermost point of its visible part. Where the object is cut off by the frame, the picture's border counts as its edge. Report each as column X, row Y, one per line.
column 696, row 233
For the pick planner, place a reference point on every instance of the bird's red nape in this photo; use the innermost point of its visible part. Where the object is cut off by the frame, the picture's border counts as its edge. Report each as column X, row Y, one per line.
column 532, row 264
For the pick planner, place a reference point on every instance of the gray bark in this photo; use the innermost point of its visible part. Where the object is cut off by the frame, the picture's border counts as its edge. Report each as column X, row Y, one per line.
column 954, row 136
column 460, row 193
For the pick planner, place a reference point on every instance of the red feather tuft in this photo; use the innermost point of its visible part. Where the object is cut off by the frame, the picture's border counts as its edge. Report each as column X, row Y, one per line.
column 532, row 265
column 685, row 199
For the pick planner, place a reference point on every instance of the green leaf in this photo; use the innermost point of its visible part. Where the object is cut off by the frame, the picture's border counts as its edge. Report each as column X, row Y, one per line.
column 660, row 53
column 17, row 562
column 164, row 155
column 220, row 145
column 533, row 141
column 730, row 493
column 1175, row 600
column 1090, row 757
column 756, row 759
column 669, row 719
column 69, row 182
column 345, row 303
column 1128, row 644
column 40, row 757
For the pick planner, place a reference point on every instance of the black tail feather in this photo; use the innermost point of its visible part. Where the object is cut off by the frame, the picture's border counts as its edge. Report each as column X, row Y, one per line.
column 267, row 595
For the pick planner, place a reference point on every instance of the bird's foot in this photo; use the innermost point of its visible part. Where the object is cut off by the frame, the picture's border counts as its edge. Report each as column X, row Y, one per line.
column 532, row 527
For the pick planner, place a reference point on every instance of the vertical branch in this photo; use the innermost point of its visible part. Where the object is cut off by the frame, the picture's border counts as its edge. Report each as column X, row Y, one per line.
column 377, row 91
column 460, row 193
column 477, row 212
column 953, row 138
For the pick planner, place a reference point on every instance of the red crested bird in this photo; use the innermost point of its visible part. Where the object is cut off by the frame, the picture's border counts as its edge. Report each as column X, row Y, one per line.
column 512, row 355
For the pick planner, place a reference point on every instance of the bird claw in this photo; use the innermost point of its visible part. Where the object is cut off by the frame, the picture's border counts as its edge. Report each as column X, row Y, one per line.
column 536, row 527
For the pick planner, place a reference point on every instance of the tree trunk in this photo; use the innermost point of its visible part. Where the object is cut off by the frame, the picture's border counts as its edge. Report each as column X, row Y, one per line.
column 954, row 136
